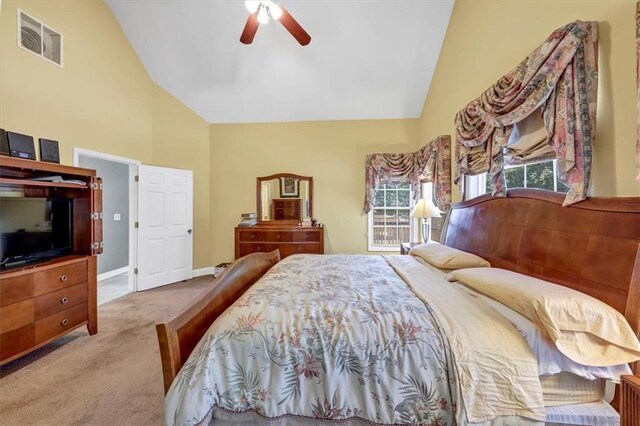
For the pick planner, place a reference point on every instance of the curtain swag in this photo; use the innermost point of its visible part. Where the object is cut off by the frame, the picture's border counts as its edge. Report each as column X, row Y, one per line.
column 561, row 78
column 432, row 163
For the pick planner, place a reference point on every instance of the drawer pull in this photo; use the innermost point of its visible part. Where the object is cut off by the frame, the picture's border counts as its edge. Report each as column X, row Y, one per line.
column 64, row 300
column 259, row 248
column 278, row 237
column 253, row 237
column 64, row 322
column 306, row 237
column 64, row 278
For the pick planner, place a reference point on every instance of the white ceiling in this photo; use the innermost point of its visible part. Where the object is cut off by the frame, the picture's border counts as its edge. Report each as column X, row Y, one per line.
column 368, row 59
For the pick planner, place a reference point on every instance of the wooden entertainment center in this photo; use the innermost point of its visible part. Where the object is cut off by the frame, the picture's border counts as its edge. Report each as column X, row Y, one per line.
column 40, row 302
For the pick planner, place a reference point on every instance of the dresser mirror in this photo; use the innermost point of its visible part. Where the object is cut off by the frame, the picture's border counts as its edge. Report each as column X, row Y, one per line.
column 284, row 198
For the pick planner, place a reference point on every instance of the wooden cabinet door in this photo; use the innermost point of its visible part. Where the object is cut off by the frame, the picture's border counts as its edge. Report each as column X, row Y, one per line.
column 96, row 216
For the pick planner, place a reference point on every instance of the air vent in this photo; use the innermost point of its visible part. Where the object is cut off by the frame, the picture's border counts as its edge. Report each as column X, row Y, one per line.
column 38, row 38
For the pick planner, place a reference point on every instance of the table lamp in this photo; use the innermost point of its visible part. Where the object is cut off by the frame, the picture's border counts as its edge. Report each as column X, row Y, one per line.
column 425, row 209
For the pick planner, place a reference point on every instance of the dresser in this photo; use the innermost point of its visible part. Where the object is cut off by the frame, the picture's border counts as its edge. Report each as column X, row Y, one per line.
column 39, row 304
column 41, row 301
column 289, row 239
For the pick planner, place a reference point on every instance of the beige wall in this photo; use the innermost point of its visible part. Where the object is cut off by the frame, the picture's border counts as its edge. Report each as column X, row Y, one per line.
column 181, row 140
column 100, row 100
column 485, row 39
column 103, row 99
column 333, row 152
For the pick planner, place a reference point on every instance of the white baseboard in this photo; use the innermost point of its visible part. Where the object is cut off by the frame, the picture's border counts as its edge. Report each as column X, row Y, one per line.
column 114, row 273
column 203, row 271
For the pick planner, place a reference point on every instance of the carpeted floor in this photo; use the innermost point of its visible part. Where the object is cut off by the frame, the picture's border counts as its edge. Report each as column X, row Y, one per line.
column 111, row 378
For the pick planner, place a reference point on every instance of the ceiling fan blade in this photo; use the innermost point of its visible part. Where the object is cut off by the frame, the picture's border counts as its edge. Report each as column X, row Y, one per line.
column 250, row 29
column 294, row 28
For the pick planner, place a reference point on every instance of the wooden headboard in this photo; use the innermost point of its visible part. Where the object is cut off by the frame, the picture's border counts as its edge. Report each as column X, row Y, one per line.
column 592, row 246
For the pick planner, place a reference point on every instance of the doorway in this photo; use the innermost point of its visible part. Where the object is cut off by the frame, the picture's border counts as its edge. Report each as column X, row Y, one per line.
column 116, row 264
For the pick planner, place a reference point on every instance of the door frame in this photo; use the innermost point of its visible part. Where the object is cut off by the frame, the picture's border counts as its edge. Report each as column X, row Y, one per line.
column 133, row 204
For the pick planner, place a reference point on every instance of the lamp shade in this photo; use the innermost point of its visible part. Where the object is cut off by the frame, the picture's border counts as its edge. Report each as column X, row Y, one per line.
column 425, row 209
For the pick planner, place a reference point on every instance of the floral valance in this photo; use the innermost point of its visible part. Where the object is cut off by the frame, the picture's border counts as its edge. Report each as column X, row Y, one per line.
column 560, row 78
column 432, row 163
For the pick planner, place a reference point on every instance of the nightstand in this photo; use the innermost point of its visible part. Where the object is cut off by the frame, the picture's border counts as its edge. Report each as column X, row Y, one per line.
column 405, row 247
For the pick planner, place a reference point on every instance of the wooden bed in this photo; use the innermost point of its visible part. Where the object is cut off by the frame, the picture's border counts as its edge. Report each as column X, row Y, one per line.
column 593, row 247
column 180, row 336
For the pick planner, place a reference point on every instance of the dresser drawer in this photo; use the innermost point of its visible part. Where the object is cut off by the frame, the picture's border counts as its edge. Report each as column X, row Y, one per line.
column 59, row 300
column 289, row 249
column 16, row 315
column 56, row 324
column 15, row 289
column 248, row 248
column 302, row 236
column 249, row 236
column 279, row 236
column 16, row 341
column 57, row 278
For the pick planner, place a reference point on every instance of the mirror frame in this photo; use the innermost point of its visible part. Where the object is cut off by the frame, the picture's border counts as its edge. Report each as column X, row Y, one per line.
column 261, row 179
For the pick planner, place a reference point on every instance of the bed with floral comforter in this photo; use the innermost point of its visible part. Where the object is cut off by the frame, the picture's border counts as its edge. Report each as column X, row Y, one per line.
column 325, row 337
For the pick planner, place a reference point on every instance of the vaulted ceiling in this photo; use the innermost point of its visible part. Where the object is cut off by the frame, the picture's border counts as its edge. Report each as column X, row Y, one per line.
column 368, row 59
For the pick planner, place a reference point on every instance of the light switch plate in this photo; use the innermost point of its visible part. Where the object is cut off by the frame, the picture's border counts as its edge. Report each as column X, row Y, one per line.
column 116, row 216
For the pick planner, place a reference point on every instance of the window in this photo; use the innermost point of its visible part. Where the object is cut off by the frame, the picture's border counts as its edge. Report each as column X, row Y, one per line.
column 541, row 175
column 389, row 221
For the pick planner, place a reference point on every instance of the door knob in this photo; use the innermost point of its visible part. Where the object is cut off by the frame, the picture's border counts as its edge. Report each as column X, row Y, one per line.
column 189, row 231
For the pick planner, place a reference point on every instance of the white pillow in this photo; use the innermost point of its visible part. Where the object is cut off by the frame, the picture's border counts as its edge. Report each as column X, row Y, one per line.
column 550, row 359
column 445, row 257
column 585, row 329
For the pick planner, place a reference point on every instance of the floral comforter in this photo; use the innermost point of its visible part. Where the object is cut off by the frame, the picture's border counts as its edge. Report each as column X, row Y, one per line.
column 325, row 337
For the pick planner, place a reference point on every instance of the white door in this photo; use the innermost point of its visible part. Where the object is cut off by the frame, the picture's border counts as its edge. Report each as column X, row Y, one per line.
column 165, row 226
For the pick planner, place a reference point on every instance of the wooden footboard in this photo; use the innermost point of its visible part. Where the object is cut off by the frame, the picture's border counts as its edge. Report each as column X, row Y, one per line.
column 178, row 337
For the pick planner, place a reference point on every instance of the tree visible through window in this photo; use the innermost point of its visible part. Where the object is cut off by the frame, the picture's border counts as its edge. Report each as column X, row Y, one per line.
column 542, row 175
column 389, row 221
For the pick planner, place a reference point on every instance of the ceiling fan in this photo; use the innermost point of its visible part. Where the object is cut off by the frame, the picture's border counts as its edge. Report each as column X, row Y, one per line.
column 260, row 11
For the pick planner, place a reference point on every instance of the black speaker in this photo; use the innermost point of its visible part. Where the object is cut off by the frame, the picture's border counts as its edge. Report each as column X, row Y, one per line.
column 4, row 143
column 21, row 146
column 49, row 151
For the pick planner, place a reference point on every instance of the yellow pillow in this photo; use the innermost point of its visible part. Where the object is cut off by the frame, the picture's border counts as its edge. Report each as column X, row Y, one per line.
column 446, row 257
column 586, row 330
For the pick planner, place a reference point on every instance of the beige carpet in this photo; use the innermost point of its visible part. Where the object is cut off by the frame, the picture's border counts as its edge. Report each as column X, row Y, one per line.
column 111, row 378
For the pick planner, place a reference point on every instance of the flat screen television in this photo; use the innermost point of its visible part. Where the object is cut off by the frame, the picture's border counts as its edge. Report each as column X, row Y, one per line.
column 34, row 229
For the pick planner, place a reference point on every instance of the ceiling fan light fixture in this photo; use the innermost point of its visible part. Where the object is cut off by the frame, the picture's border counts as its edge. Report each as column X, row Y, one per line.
column 252, row 5
column 263, row 16
column 261, row 11
column 275, row 11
